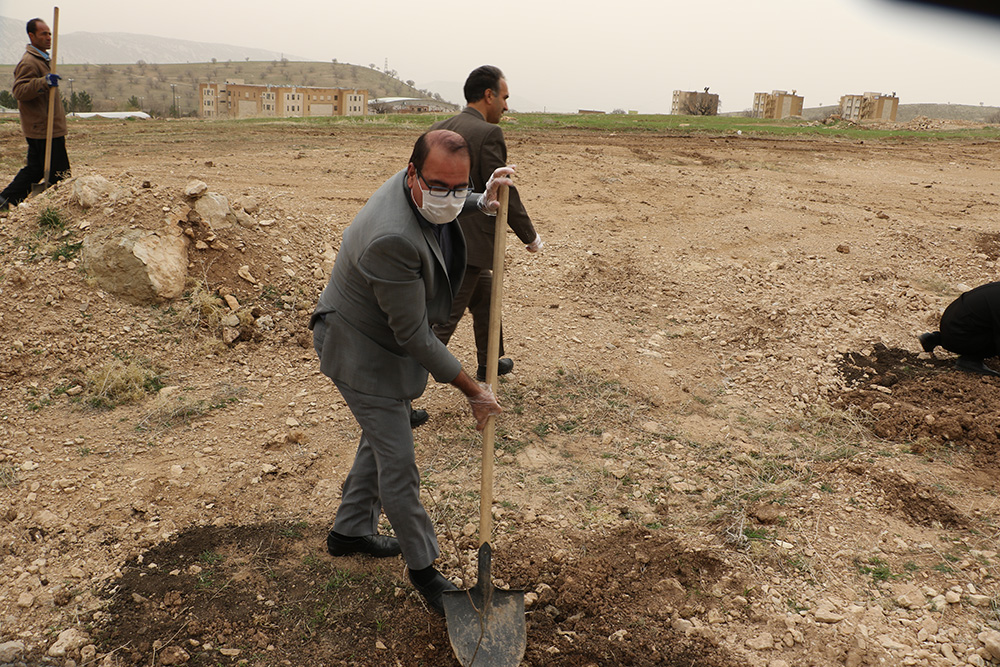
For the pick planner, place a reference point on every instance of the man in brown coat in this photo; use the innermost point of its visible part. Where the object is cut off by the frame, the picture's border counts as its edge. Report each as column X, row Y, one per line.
column 32, row 81
column 486, row 96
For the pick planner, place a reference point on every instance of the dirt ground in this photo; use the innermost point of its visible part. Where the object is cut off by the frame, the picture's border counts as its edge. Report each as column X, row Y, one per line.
column 721, row 446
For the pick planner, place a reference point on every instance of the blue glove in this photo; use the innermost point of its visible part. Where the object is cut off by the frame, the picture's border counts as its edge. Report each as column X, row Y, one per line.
column 52, row 80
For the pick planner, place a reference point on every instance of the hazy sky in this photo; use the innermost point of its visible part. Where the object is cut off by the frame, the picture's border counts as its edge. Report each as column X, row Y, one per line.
column 565, row 55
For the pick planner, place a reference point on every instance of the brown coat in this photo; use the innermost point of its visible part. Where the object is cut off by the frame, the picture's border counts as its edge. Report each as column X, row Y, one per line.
column 489, row 151
column 32, row 94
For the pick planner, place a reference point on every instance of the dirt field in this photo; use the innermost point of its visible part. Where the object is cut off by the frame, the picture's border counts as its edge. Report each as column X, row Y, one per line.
column 722, row 445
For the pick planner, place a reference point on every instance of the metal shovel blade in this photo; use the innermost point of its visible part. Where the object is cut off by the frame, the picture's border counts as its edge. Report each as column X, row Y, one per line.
column 485, row 624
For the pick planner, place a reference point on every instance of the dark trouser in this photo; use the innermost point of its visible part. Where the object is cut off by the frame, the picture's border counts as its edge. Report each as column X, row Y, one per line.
column 34, row 171
column 976, row 345
column 475, row 294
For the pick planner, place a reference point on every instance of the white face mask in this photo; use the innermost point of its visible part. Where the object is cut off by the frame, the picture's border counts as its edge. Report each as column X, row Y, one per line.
column 440, row 210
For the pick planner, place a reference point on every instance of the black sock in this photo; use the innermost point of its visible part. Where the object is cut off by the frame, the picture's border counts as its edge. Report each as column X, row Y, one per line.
column 344, row 538
column 424, row 576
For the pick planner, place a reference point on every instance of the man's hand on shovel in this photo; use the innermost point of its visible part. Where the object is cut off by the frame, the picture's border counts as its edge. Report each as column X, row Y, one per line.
column 484, row 405
column 489, row 201
column 480, row 396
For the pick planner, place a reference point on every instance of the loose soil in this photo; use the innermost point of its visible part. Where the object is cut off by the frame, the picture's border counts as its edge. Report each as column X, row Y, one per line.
column 721, row 445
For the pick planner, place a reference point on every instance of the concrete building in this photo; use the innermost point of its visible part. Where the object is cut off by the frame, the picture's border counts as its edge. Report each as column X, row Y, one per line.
column 870, row 106
column 381, row 105
column 777, row 104
column 691, row 103
column 235, row 99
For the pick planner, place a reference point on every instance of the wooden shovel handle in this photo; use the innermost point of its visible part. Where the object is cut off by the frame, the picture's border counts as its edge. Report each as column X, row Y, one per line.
column 492, row 355
column 50, row 122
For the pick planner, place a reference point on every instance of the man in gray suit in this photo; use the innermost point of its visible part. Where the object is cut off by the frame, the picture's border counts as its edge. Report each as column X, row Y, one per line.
column 399, row 265
column 486, row 96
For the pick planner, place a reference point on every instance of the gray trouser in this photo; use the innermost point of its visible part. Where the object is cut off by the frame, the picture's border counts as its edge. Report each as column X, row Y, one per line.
column 385, row 477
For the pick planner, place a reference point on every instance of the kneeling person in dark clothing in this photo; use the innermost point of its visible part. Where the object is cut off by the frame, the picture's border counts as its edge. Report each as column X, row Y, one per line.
column 970, row 327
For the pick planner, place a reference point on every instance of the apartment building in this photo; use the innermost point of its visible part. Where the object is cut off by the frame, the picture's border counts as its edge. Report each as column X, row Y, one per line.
column 693, row 103
column 777, row 104
column 870, row 106
column 236, row 99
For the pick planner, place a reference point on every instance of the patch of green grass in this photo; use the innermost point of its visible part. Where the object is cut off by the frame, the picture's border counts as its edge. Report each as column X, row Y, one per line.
column 876, row 567
column 51, row 219
column 210, row 557
column 341, row 579
column 66, row 251
column 753, row 533
column 294, row 530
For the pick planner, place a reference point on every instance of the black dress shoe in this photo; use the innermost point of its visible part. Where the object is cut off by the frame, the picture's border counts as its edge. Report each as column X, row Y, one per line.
column 433, row 589
column 929, row 340
column 418, row 417
column 504, row 366
column 379, row 546
column 970, row 365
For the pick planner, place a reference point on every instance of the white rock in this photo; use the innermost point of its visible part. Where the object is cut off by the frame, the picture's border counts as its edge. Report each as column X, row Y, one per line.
column 195, row 188
column 88, row 190
column 980, row 600
column 25, row 600
column 174, row 655
column 991, row 640
column 139, row 265
column 761, row 642
column 214, row 211
column 10, row 651
column 69, row 640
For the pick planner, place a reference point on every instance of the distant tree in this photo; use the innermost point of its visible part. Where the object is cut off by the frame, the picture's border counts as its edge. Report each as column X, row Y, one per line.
column 214, row 61
column 334, row 61
column 83, row 101
column 373, row 66
column 133, row 104
column 701, row 104
column 7, row 100
column 618, row 111
column 411, row 83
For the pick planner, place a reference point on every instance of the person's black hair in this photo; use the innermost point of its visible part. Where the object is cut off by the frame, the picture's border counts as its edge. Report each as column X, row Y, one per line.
column 479, row 80
column 452, row 142
column 33, row 25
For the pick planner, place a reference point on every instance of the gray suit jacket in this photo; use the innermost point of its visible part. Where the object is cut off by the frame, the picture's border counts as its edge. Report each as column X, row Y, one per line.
column 389, row 284
column 489, row 151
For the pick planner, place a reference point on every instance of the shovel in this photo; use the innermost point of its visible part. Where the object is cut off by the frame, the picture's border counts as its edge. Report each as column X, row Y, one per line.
column 486, row 625
column 36, row 188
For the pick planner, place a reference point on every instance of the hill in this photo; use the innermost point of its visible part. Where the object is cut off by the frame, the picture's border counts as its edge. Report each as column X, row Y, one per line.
column 154, row 85
column 121, row 47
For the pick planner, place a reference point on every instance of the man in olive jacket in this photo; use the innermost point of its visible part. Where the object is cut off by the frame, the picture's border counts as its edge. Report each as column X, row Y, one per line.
column 32, row 82
column 486, row 96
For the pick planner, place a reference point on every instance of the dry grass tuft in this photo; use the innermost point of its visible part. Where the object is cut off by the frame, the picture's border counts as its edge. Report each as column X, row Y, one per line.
column 121, row 381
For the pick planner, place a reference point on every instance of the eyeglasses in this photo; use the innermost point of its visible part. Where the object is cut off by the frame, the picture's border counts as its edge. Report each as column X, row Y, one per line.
column 441, row 191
